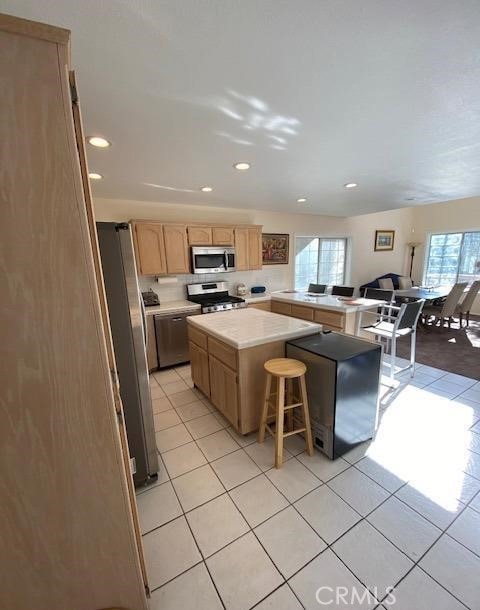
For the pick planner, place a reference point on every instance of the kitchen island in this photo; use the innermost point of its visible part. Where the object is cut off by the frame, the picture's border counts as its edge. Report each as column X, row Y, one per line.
column 227, row 353
column 332, row 312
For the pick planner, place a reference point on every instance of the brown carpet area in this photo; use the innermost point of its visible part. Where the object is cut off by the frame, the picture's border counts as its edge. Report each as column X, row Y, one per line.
column 455, row 350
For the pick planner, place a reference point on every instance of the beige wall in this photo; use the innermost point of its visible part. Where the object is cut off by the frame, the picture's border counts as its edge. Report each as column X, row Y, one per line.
column 410, row 224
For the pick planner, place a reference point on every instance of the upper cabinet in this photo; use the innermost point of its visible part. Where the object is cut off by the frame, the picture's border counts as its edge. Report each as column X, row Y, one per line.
column 222, row 236
column 150, row 248
column 199, row 236
column 254, row 247
column 163, row 248
column 176, row 248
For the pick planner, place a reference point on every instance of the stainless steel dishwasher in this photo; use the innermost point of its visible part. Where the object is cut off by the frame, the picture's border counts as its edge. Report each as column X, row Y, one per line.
column 172, row 337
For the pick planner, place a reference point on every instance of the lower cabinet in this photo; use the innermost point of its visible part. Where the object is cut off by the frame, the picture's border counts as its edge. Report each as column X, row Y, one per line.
column 223, row 389
column 333, row 320
column 199, row 366
column 265, row 305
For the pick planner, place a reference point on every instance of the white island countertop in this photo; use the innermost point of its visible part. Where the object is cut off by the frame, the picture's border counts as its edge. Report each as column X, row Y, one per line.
column 247, row 327
column 325, row 301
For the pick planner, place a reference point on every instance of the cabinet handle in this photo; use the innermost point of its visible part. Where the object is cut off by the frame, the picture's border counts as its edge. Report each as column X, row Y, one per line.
column 176, row 319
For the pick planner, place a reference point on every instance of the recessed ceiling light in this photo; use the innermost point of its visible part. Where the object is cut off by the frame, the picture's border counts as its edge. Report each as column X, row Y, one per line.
column 350, row 185
column 242, row 165
column 206, row 189
column 99, row 142
column 301, row 200
column 94, row 176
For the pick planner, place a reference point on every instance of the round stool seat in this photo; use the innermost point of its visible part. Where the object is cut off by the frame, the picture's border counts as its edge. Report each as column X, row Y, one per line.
column 285, row 367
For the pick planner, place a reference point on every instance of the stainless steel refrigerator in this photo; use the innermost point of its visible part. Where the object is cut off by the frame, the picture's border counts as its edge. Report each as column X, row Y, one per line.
column 127, row 320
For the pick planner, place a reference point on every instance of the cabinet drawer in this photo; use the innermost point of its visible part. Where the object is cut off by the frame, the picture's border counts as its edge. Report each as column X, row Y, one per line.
column 224, row 353
column 197, row 337
column 265, row 305
column 283, row 308
column 330, row 318
column 305, row 313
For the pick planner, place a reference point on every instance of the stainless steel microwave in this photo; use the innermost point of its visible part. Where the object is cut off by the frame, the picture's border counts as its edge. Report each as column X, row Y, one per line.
column 213, row 259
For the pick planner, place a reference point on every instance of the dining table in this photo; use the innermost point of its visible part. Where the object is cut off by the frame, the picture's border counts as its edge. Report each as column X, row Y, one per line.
column 421, row 292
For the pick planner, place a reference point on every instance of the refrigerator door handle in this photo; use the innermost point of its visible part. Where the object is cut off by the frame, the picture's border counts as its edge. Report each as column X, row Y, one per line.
column 144, row 322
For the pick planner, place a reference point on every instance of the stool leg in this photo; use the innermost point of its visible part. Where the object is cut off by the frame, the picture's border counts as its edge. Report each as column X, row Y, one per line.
column 289, row 401
column 263, row 418
column 279, row 426
column 306, row 415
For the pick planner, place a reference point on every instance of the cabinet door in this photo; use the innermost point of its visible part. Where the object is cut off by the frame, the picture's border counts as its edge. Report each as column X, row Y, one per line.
column 241, row 249
column 299, row 311
column 222, row 236
column 176, row 248
column 199, row 236
column 283, row 308
column 223, row 389
column 254, row 248
column 150, row 248
column 200, row 370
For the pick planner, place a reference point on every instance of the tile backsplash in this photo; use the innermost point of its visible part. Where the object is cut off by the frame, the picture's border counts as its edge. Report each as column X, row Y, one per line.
column 273, row 278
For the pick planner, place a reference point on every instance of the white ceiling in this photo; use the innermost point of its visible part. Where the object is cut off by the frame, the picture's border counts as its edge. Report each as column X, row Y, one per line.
column 314, row 93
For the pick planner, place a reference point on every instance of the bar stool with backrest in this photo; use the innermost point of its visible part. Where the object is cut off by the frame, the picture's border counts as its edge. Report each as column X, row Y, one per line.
column 463, row 308
column 282, row 370
column 317, row 288
column 343, row 291
column 446, row 310
column 389, row 328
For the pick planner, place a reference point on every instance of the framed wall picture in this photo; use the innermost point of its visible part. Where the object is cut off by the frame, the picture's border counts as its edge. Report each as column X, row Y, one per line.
column 384, row 239
column 275, row 248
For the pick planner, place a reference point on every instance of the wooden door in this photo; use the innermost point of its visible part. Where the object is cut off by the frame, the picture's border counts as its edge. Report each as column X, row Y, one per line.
column 72, row 542
column 199, row 236
column 222, row 236
column 241, row 249
column 176, row 248
column 254, row 248
column 150, row 248
column 200, row 370
column 223, row 389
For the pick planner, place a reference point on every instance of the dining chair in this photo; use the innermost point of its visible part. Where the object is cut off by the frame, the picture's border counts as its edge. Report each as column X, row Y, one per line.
column 389, row 327
column 463, row 308
column 447, row 309
column 317, row 288
column 386, row 283
column 404, row 282
column 343, row 291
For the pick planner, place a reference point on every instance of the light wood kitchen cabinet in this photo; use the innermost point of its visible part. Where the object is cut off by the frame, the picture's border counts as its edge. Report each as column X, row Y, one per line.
column 241, row 248
column 63, row 440
column 333, row 320
column 199, row 236
column 223, row 389
column 200, row 368
column 254, row 248
column 283, row 308
column 222, row 236
column 152, row 355
column 265, row 305
column 176, row 248
column 150, row 248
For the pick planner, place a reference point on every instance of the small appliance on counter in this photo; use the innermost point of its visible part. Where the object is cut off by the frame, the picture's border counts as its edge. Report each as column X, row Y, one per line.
column 213, row 297
column 241, row 290
column 257, row 289
column 150, row 298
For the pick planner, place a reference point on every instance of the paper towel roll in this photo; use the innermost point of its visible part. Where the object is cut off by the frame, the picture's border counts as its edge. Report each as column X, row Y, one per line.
column 167, row 280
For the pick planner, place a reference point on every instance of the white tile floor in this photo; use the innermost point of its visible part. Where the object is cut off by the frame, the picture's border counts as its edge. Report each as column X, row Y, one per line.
column 223, row 529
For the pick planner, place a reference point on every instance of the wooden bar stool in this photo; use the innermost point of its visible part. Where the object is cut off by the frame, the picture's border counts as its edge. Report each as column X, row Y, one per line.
column 284, row 369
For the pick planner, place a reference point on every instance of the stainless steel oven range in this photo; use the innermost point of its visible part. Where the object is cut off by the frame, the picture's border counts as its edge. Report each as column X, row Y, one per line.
column 213, row 296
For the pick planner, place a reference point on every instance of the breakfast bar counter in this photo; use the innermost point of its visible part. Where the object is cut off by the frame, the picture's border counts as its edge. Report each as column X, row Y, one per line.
column 333, row 312
column 227, row 352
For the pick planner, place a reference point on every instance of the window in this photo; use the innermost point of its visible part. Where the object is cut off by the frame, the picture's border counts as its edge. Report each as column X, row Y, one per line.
column 453, row 257
column 319, row 260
